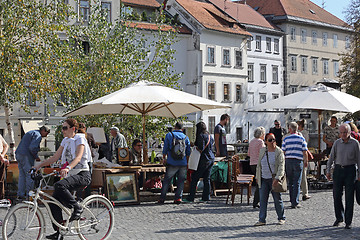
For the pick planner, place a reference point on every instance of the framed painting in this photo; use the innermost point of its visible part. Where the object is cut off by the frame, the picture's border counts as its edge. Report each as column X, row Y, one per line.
column 122, row 188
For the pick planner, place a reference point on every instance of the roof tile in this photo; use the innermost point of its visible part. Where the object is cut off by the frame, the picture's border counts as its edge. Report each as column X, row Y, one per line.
column 211, row 17
column 295, row 8
column 144, row 3
column 243, row 13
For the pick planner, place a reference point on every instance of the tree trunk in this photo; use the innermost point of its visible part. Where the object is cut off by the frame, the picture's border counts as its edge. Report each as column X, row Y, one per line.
column 11, row 133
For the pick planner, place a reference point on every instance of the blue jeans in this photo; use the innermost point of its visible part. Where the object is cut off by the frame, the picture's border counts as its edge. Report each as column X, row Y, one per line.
column 265, row 189
column 293, row 168
column 344, row 177
column 170, row 173
column 203, row 172
column 25, row 184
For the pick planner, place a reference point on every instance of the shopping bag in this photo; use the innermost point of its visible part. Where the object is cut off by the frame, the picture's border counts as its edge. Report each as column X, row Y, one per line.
column 194, row 159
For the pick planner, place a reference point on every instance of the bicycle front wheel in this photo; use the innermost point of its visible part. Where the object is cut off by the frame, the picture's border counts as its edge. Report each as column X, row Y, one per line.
column 97, row 220
column 22, row 222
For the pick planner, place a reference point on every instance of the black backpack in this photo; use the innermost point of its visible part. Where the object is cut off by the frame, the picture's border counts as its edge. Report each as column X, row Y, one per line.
column 178, row 148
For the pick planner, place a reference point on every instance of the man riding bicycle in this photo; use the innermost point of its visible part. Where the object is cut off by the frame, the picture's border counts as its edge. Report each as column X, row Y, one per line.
column 75, row 154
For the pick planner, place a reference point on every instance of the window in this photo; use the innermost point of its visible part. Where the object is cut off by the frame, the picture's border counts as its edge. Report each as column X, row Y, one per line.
column 303, row 64
column 226, row 57
column 293, row 63
column 336, row 68
column 276, row 46
column 226, row 92
column 263, row 73
column 292, row 34
column 335, row 38
column 268, row 44
column 211, row 91
column 293, row 89
column 325, row 39
column 249, row 45
column 238, row 58
column 347, row 42
column 275, row 95
column 30, row 101
column 314, row 66
column 251, row 72
column 238, row 97
column 106, row 7
column 303, row 35
column 326, row 67
column 258, row 43
column 262, row 97
column 211, row 55
column 211, row 124
column 84, row 10
column 275, row 74
column 314, row 37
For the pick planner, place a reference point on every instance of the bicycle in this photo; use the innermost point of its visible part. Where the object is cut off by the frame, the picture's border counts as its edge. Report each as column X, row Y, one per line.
column 26, row 220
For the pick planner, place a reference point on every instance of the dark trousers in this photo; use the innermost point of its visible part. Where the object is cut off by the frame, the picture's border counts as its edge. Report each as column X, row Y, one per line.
column 256, row 195
column 204, row 172
column 62, row 193
column 344, row 177
column 2, row 179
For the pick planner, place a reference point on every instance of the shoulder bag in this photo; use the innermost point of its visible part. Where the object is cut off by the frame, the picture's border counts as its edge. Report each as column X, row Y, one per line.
column 195, row 157
column 282, row 184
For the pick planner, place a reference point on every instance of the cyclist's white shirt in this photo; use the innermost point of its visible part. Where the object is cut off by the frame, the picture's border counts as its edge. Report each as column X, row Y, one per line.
column 68, row 154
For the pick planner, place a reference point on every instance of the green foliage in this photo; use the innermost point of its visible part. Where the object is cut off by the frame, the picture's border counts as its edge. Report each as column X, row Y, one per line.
column 30, row 49
column 144, row 17
column 119, row 55
column 350, row 62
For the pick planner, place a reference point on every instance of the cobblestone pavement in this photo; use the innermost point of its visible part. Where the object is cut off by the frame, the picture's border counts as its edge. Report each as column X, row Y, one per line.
column 216, row 220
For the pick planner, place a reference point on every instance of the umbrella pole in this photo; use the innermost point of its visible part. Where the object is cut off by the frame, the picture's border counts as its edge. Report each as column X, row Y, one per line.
column 319, row 128
column 145, row 150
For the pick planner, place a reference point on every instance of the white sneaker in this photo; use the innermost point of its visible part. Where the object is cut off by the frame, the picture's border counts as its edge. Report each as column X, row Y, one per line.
column 259, row 224
column 281, row 222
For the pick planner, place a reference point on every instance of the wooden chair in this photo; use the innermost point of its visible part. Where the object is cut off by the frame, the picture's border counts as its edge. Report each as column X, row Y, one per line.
column 238, row 181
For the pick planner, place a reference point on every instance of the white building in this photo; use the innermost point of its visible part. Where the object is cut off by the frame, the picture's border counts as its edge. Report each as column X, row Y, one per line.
column 264, row 63
column 216, row 66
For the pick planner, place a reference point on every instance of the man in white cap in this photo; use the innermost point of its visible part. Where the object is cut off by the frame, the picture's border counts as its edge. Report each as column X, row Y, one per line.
column 118, row 141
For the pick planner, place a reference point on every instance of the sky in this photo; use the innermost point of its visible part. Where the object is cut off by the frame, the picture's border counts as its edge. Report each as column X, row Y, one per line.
column 335, row 7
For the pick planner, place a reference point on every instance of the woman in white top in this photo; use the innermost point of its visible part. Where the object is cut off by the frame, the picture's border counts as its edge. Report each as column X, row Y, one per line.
column 271, row 163
column 75, row 154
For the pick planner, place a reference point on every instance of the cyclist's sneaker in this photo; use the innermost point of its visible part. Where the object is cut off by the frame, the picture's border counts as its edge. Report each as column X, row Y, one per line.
column 5, row 203
column 55, row 235
column 76, row 213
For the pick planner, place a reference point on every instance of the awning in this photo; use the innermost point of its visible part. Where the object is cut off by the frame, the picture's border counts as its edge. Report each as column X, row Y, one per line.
column 29, row 125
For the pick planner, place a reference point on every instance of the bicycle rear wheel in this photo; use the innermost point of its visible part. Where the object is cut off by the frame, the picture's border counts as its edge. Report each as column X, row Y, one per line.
column 97, row 220
column 22, row 223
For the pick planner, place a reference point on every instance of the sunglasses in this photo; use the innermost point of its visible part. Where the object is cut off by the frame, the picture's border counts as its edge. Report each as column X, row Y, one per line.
column 139, row 145
column 277, row 124
column 65, row 128
column 271, row 140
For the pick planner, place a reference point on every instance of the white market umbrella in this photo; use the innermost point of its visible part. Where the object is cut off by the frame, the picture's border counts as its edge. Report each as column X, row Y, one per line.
column 147, row 99
column 318, row 98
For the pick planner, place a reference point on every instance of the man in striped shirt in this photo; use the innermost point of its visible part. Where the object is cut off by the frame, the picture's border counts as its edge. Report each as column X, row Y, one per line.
column 294, row 147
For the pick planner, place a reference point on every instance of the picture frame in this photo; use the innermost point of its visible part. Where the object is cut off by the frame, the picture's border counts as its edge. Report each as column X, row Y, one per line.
column 122, row 187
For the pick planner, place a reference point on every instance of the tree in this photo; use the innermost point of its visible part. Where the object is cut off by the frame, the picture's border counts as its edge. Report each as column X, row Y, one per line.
column 120, row 53
column 350, row 71
column 30, row 52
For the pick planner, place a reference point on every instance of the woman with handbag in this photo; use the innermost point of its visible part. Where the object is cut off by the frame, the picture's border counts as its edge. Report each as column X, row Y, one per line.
column 203, row 143
column 270, row 170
